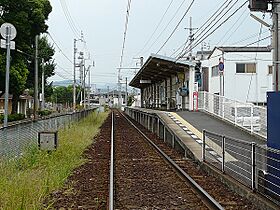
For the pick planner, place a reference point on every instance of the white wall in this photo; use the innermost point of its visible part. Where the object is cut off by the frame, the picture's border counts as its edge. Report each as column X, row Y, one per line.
column 245, row 87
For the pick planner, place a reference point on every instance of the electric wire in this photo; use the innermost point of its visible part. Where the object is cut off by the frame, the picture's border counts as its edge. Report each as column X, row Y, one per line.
column 205, row 36
column 159, row 23
column 161, row 33
column 250, row 83
column 211, row 25
column 216, row 13
column 232, row 27
column 60, row 50
column 176, row 27
column 68, row 18
column 125, row 31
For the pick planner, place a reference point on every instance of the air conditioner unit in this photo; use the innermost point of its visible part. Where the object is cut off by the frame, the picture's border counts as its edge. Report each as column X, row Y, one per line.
column 258, row 5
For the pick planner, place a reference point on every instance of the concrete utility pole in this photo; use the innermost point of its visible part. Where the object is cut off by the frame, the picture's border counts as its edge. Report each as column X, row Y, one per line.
column 36, row 104
column 276, row 44
column 8, row 45
column 191, row 38
column 88, row 94
column 43, row 84
column 126, row 91
column 74, row 74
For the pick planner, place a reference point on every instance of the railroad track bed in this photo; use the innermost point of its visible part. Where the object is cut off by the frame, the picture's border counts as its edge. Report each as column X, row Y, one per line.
column 143, row 180
column 219, row 191
column 88, row 186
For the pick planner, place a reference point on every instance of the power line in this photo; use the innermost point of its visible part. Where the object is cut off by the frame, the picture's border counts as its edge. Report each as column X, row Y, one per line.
column 176, row 27
column 211, row 25
column 159, row 23
column 156, row 40
column 207, row 35
column 68, row 18
column 60, row 50
column 125, row 30
column 233, row 25
column 250, row 37
column 216, row 13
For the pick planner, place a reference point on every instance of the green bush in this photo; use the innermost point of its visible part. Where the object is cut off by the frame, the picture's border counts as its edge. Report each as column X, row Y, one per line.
column 44, row 112
column 12, row 117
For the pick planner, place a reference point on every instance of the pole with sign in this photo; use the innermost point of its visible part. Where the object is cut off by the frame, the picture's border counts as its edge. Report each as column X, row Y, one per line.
column 8, row 32
column 221, row 73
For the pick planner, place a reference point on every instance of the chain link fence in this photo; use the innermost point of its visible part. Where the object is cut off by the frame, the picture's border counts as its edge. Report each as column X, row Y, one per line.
column 17, row 137
column 245, row 115
column 253, row 165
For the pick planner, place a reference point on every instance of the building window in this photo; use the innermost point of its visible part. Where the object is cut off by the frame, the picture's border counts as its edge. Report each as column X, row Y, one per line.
column 270, row 69
column 245, row 68
column 215, row 71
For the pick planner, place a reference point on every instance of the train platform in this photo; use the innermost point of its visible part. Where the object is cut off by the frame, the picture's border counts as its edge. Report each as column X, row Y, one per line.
column 201, row 121
column 193, row 124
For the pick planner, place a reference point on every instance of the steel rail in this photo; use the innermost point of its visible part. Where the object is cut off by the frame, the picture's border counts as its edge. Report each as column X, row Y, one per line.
column 111, row 186
column 207, row 199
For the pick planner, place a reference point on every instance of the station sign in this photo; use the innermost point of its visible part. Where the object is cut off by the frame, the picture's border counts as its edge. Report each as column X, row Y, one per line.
column 145, row 81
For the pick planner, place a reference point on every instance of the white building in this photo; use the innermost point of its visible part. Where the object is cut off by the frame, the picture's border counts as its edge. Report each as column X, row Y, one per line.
column 247, row 73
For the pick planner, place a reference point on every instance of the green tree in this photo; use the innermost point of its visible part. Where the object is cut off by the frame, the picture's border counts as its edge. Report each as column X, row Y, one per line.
column 29, row 17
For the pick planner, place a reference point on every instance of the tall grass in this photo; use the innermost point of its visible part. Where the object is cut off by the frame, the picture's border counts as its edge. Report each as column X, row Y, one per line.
column 25, row 182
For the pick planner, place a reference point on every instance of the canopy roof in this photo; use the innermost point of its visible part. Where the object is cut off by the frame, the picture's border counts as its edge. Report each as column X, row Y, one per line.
column 158, row 68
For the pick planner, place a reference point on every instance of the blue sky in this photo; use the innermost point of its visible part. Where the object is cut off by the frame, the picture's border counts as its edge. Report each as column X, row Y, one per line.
column 102, row 23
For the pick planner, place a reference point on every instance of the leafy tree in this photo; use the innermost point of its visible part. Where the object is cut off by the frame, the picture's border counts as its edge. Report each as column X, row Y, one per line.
column 64, row 95
column 29, row 17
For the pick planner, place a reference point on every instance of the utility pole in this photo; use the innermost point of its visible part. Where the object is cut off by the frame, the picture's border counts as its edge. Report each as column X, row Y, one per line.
column 126, row 91
column 36, row 104
column 276, row 44
column 84, row 84
column 74, row 74
column 89, row 86
column 43, row 84
column 191, row 38
column 8, row 32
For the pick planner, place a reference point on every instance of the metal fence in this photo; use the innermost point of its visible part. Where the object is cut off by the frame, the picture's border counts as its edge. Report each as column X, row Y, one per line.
column 253, row 165
column 16, row 138
column 246, row 115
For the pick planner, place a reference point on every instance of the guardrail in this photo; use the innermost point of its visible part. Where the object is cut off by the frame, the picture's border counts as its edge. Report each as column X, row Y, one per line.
column 16, row 137
column 253, row 165
column 245, row 115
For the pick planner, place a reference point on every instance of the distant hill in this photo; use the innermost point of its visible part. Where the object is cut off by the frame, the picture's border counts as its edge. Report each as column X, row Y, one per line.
column 101, row 88
column 64, row 83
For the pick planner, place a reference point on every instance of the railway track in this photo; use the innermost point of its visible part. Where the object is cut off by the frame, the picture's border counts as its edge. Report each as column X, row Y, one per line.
column 143, row 176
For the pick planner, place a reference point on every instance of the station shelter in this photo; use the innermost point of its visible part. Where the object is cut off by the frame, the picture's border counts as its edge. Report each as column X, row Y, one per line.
column 165, row 83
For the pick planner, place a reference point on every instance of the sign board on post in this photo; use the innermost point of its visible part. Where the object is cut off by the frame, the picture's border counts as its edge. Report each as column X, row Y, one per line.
column 195, row 97
column 47, row 141
column 4, row 44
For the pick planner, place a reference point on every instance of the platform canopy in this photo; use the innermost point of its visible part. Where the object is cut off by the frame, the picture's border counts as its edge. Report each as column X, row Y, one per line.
column 158, row 68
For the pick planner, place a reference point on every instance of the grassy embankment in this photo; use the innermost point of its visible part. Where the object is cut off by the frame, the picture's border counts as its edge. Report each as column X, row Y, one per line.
column 24, row 183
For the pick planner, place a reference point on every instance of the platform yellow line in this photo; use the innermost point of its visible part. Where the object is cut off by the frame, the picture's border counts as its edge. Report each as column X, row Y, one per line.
column 187, row 124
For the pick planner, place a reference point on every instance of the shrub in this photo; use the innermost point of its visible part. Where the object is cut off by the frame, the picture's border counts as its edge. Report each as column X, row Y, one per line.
column 12, row 117
column 44, row 112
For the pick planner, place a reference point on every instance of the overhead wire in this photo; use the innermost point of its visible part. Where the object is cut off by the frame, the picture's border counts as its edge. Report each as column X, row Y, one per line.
column 175, row 14
column 69, row 18
column 232, row 27
column 60, row 50
column 125, row 31
column 216, row 13
column 159, row 23
column 250, row 83
column 214, row 30
column 176, row 27
column 205, row 30
column 210, row 23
